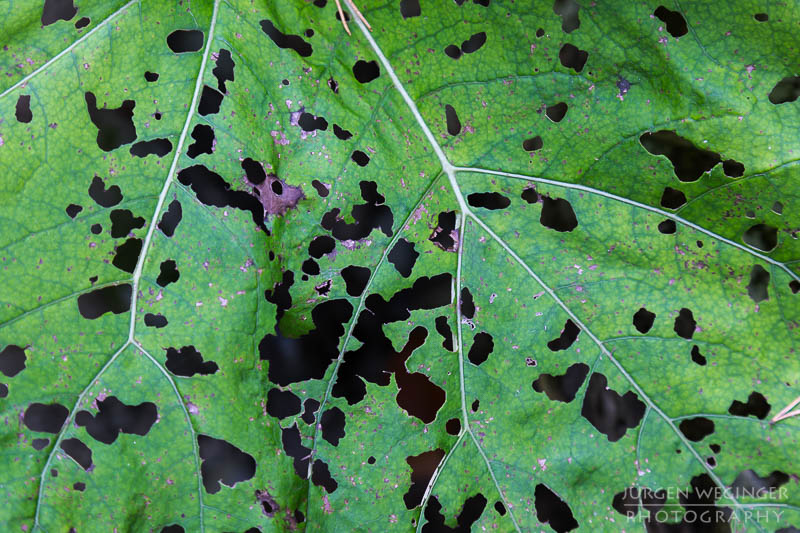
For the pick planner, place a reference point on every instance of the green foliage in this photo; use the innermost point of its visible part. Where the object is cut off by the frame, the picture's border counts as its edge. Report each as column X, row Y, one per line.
column 522, row 149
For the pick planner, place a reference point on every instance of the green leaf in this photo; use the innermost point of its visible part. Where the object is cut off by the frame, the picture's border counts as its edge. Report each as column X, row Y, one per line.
column 489, row 266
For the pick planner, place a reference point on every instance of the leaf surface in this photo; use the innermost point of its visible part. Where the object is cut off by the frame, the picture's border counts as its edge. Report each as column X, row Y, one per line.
column 488, row 266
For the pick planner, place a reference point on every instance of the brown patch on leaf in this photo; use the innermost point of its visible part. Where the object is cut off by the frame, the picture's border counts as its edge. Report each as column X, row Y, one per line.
column 268, row 504
column 276, row 195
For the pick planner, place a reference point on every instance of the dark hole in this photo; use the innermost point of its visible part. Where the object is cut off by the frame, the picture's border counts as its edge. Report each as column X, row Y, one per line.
column 281, row 40
column 321, row 188
column 777, row 208
column 442, row 235
column 552, row 510
column 114, row 126
column 223, row 462
column 794, row 286
column 223, row 71
column 403, row 256
column 761, row 17
column 453, row 124
column 482, row 346
column 360, row 158
column 319, row 246
column 150, row 76
column 786, row 90
column 697, row 357
column 696, row 429
column 102, row 196
column 79, row 451
column 73, row 210
column 40, row 444
column 676, row 24
column 409, row 8
column 158, row 147
column 530, row 195
column 467, row 303
column 716, row 448
column 568, row 10
column 500, row 508
column 212, row 189
column 45, row 417
column 310, row 267
column 371, row 460
column 168, row 273
column 667, row 227
column 626, row 502
column 157, row 115
column 732, row 169
column 756, row 405
column 23, row 110
column 115, row 299
column 443, row 329
column 268, row 504
column 127, row 254
column 171, row 218
column 474, row 43
column 710, row 461
column 562, row 388
column 80, row 487
column 643, row 320
column 311, row 123
column 366, row 71
column 298, row 359
column 346, row 16
column 475, row 405
column 685, row 324
column 276, row 187
column 114, row 417
column 422, row 468
column 55, row 10
column 321, row 476
column 759, row 281
column 556, row 112
column 688, row 161
column 470, row 512
column 672, row 198
column 453, row 426
column 332, row 422
column 123, row 222
column 533, row 144
column 210, row 101
column 180, row 41
column 174, row 528
column 557, row 214
column 750, row 482
column 568, row 336
column 573, row 57
column 453, row 51
column 82, row 22
column 333, row 85
column 609, row 412
column 187, row 362
column 488, row 200
column 155, row 321
column 761, row 236
column 355, row 279
column 310, row 407
column 254, row 171
column 282, row 404
column 341, row 133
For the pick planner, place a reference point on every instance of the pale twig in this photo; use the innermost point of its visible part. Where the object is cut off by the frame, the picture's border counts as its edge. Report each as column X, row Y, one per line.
column 785, row 412
column 342, row 17
column 358, row 14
